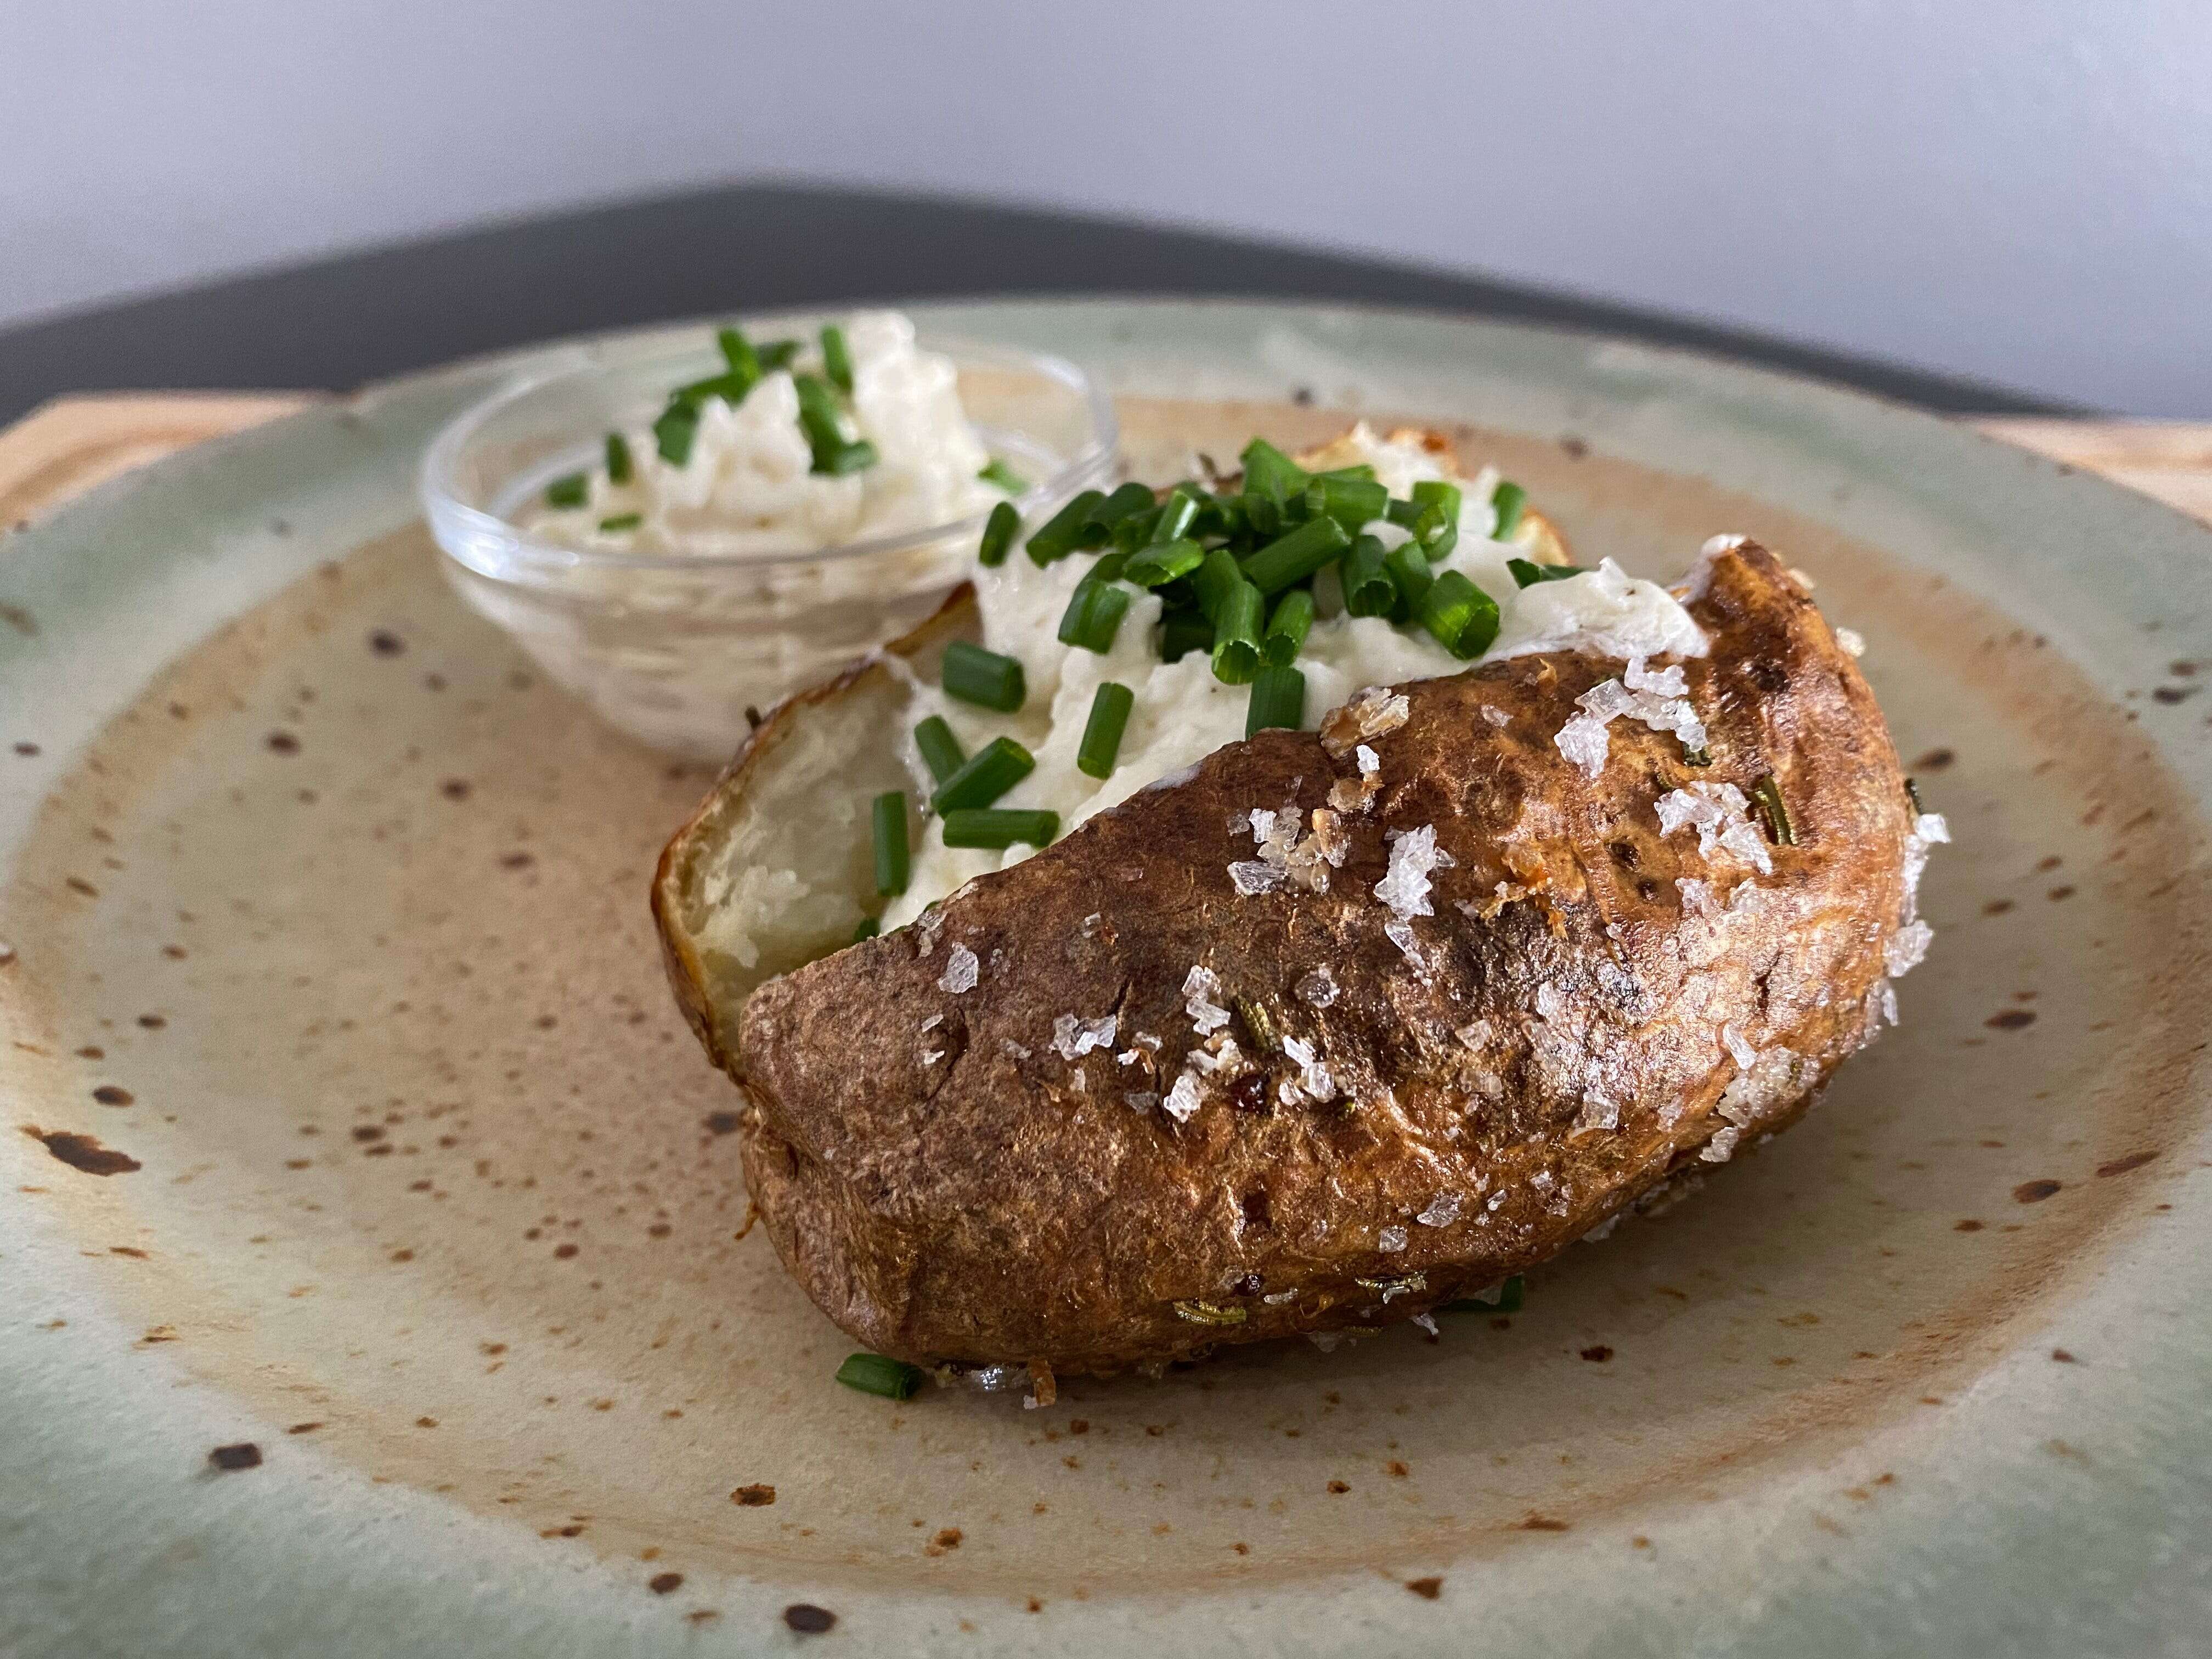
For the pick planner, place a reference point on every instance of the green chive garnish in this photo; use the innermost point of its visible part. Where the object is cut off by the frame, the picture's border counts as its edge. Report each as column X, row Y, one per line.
column 1278, row 698
column 1000, row 827
column 1461, row 616
column 1528, row 573
column 1094, row 615
column 1215, row 579
column 1129, row 498
column 1511, row 1295
column 869, row 927
column 998, row 532
column 1066, row 531
column 1507, row 500
column 1102, row 732
column 621, row 521
column 1366, row 577
column 1271, row 481
column 837, row 359
column 1183, row 632
column 984, row 776
column 674, row 432
column 983, row 677
column 737, row 352
column 1175, row 515
column 1409, row 568
column 1766, row 796
column 570, row 490
column 1236, row 635
column 834, row 452
column 1287, row 628
column 1003, row 477
column 620, row 469
column 1291, row 558
column 1163, row 563
column 891, row 861
column 1436, row 534
column 871, row 1373
column 777, row 354
column 1442, row 497
column 940, row 749
column 1352, row 501
column 1362, row 473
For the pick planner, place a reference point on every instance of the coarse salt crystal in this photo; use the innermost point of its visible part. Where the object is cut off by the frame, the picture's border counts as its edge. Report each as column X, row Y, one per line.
column 1072, row 1038
column 1250, row 876
column 1740, row 1050
column 1550, row 1002
column 1427, row 1324
column 1583, row 741
column 1597, row 1112
column 1140, row 1100
column 1889, row 1002
column 1495, row 715
column 1313, row 1084
column 1905, row 949
column 1852, row 642
column 1369, row 761
column 1013, row 1048
column 1390, row 1240
column 1696, row 895
column 931, row 1056
column 1669, row 682
column 932, row 1022
column 1475, row 1034
column 1443, row 1210
column 1202, row 993
column 961, row 969
column 1405, row 884
column 1318, row 989
column 1400, row 933
column 1184, row 1098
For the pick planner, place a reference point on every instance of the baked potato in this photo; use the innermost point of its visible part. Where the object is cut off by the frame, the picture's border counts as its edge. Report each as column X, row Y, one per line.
column 1337, row 1026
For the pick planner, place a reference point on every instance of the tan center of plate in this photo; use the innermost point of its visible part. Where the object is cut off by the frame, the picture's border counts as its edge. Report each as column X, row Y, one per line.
column 340, row 933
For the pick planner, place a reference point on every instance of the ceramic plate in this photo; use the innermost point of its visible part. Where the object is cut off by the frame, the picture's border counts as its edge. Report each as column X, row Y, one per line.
column 346, row 1117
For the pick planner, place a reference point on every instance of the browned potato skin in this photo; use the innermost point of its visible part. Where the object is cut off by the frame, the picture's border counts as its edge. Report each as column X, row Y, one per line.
column 984, row 1208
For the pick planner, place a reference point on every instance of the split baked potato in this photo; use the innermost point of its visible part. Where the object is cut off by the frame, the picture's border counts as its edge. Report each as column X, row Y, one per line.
column 1524, row 993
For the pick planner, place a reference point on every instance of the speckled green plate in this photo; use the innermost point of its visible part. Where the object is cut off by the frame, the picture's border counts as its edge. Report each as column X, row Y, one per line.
column 366, row 1133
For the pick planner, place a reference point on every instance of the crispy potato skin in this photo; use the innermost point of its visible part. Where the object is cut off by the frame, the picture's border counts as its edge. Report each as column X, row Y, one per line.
column 965, row 1193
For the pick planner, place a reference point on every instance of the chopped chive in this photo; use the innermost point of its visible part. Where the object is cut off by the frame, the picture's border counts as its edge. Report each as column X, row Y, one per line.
column 673, row 431
column 1766, row 795
column 1215, row 579
column 940, row 749
column 1287, row 628
column 1163, row 563
column 1409, row 568
column 1461, row 616
column 1175, row 515
column 1278, row 699
column 570, row 489
column 777, row 354
column 983, row 677
column 737, row 352
column 1436, row 534
column 1183, row 632
column 730, row 386
column 1512, row 1297
column 869, row 927
column 1066, row 531
column 1236, row 635
column 1291, row 558
column 892, row 865
column 834, row 452
column 1365, row 575
column 1004, row 476
column 984, row 776
column 837, row 359
column 1403, row 511
column 1362, row 473
column 1130, row 498
column 1102, row 734
column 1271, row 479
column 1220, row 516
column 871, row 1373
column 1352, row 501
column 1000, row 827
column 1094, row 615
column 1440, row 494
column 1506, row 502
column 1528, row 573
column 621, row 521
column 620, row 467
column 1313, row 500
column 1137, row 532
column 998, row 532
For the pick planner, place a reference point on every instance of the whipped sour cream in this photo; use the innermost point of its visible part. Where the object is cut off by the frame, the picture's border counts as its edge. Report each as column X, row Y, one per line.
column 1183, row 713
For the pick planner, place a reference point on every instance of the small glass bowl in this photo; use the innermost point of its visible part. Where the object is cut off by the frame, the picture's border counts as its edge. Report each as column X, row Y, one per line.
column 674, row 648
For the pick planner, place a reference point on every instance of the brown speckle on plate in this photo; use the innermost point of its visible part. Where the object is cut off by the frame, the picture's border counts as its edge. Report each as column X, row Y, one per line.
column 1536, row 1523
column 1427, row 1589
column 1597, row 1353
column 83, row 1152
column 2011, row 1019
column 663, row 1583
column 1339, row 1487
column 243, row 1455
column 807, row 1618
column 110, row 1094
column 282, row 742
column 2121, row 1165
column 754, row 1497
column 386, row 643
column 2034, row 1192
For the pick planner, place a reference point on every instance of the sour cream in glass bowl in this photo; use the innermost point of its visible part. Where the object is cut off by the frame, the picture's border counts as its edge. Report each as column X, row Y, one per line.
column 678, row 536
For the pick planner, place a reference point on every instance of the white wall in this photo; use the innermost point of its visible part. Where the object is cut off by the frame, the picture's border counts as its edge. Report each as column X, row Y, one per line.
column 2019, row 190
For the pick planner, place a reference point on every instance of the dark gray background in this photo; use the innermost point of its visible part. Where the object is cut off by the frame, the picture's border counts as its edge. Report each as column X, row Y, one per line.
column 338, row 323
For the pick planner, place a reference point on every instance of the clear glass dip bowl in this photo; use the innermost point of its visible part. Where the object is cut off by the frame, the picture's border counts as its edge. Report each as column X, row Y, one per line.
column 674, row 648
